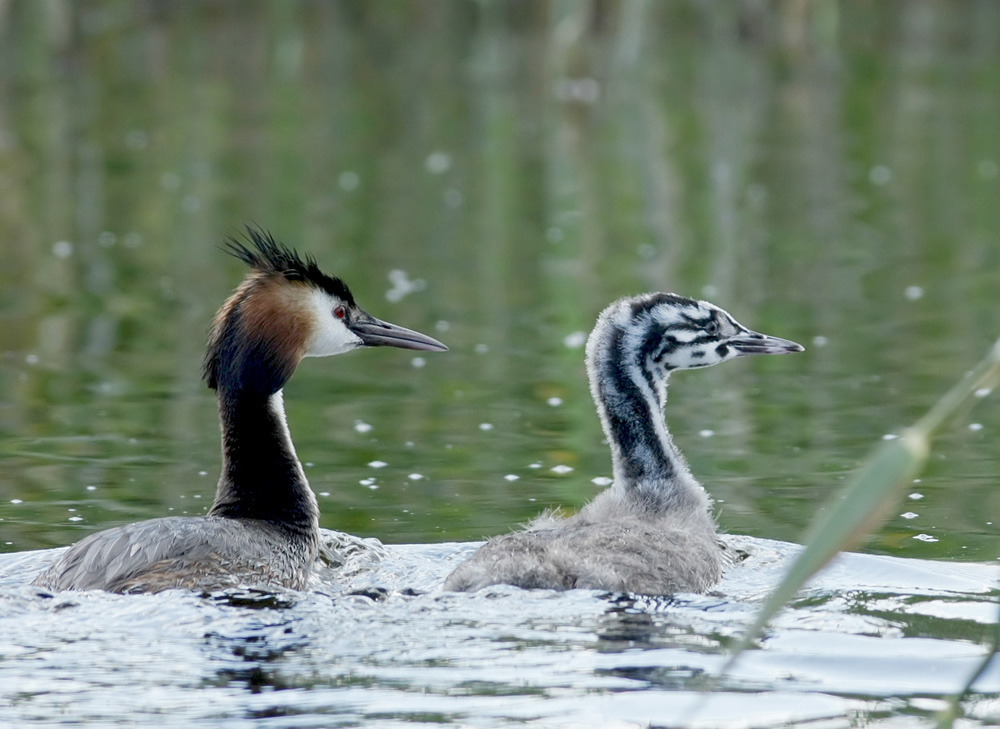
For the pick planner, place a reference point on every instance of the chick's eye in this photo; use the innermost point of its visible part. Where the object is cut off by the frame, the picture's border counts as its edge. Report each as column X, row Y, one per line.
column 712, row 328
column 340, row 312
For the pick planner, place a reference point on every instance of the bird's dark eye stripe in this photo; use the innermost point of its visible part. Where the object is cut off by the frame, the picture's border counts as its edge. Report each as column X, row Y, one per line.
column 692, row 324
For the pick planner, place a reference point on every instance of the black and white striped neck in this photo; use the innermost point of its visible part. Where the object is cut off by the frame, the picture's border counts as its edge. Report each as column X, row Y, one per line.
column 635, row 345
column 628, row 381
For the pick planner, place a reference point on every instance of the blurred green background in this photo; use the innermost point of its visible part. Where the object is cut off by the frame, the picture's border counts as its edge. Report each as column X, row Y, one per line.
column 494, row 173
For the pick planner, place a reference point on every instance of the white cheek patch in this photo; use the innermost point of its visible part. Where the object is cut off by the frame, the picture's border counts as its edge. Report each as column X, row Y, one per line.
column 685, row 336
column 667, row 316
column 684, row 361
column 329, row 335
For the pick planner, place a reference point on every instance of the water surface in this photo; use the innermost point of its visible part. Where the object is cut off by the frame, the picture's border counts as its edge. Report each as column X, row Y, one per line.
column 494, row 174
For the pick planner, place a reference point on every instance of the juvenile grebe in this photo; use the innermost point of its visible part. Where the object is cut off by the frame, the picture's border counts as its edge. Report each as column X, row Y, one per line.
column 652, row 530
column 263, row 529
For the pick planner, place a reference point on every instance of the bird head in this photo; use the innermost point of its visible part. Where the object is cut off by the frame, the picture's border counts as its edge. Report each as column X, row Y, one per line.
column 659, row 333
column 286, row 309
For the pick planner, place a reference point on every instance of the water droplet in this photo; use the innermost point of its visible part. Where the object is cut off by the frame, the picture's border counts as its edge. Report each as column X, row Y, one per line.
column 561, row 469
column 575, row 340
column 442, row 325
column 988, row 169
column 880, row 175
column 31, row 359
column 482, row 348
column 324, row 493
column 915, row 496
column 402, row 285
column 75, row 518
column 534, row 465
column 170, row 181
column 983, row 391
column 706, row 433
column 554, row 401
column 925, row 538
column 415, row 476
column 819, row 341
column 362, row 427
column 486, row 426
column 418, row 362
column 602, row 481
column 377, row 464
column 62, row 249
column 136, row 139
column 913, row 293
column 585, row 90
column 889, row 436
column 367, row 481
column 91, row 488
column 909, row 515
column 16, row 501
column 348, row 180
column 202, row 473
column 511, row 477
column 437, row 162
column 975, row 426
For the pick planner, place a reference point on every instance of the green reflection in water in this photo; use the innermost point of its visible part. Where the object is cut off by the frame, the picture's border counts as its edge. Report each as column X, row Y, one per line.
column 830, row 177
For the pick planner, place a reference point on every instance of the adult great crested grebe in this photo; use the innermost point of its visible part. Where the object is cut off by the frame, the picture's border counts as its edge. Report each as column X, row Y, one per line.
column 263, row 528
column 652, row 530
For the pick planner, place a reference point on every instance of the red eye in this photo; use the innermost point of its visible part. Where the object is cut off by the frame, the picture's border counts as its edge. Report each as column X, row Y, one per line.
column 340, row 312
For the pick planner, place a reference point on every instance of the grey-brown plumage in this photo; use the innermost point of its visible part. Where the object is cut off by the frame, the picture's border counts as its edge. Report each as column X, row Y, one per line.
column 652, row 530
column 263, row 528
column 207, row 553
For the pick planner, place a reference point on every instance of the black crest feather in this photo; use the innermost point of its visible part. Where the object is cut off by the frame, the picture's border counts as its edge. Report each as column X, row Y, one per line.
column 240, row 360
column 266, row 255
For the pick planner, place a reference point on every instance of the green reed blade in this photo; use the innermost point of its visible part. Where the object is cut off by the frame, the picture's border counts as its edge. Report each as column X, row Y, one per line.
column 870, row 497
column 946, row 717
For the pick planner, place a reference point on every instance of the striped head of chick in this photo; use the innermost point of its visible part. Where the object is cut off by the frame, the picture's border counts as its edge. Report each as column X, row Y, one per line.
column 652, row 335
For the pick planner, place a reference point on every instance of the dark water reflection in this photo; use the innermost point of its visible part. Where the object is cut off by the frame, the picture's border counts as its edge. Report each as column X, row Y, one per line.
column 494, row 174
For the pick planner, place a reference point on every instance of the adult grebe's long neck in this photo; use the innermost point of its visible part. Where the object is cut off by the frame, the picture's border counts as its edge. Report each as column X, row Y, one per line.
column 630, row 397
column 261, row 475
